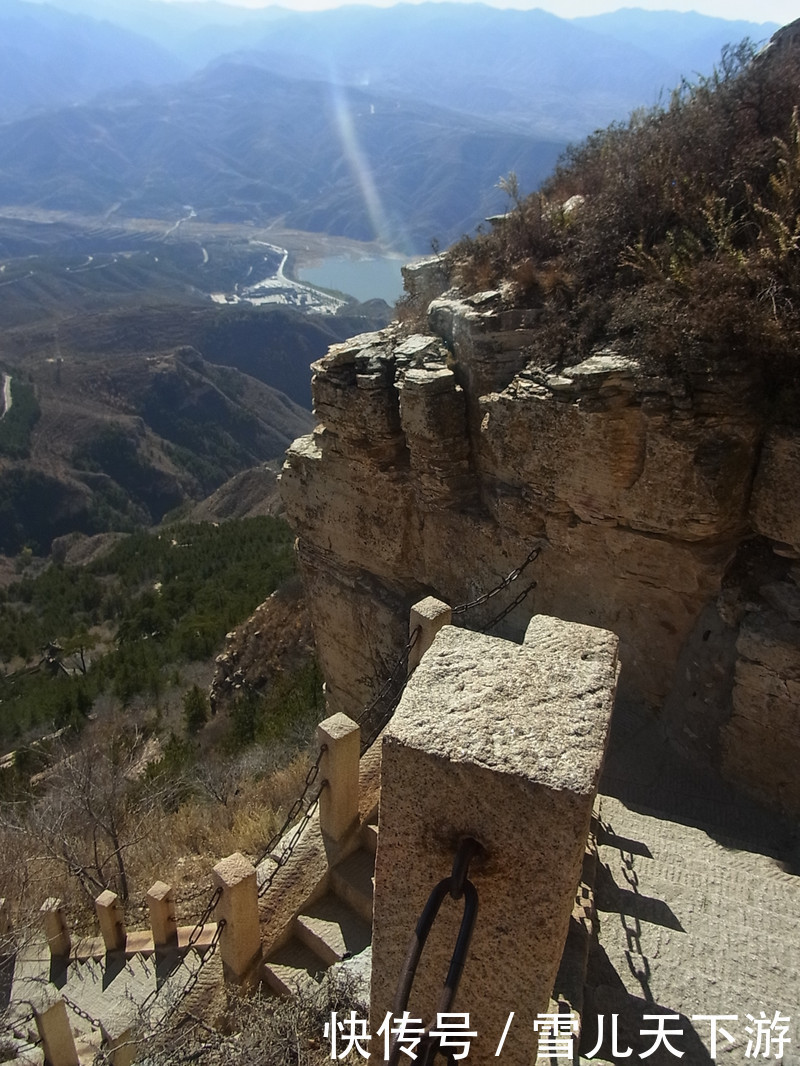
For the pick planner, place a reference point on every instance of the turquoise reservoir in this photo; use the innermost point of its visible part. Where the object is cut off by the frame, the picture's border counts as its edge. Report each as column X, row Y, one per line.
column 366, row 279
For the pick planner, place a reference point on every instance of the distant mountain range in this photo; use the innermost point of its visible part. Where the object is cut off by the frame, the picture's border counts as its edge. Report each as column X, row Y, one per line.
column 389, row 123
column 554, row 75
column 444, row 45
column 153, row 154
column 50, row 57
column 238, row 143
column 117, row 418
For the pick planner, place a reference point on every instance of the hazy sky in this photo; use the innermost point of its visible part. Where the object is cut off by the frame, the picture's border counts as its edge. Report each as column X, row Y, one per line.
column 780, row 11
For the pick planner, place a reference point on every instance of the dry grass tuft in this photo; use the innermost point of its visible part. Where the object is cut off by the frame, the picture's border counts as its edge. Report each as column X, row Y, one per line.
column 262, row 1031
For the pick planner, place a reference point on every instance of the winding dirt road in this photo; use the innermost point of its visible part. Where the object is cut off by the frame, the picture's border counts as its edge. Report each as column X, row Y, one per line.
column 6, row 395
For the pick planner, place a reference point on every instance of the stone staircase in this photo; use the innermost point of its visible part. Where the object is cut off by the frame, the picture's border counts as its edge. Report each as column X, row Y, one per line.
column 331, row 928
column 105, row 989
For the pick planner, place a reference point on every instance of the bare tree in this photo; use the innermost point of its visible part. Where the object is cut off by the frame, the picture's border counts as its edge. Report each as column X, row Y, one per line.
column 89, row 809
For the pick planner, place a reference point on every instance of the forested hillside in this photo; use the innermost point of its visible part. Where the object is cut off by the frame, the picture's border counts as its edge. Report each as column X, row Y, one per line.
column 123, row 624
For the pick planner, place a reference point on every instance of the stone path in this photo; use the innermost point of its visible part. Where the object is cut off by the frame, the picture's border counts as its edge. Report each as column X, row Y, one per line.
column 330, row 929
column 698, row 911
column 107, row 990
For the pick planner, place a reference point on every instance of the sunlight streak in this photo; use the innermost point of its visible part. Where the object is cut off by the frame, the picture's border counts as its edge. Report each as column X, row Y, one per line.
column 359, row 165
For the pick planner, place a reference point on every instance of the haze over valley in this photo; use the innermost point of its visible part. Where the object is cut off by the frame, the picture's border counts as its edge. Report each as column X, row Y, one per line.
column 168, row 172
column 572, row 444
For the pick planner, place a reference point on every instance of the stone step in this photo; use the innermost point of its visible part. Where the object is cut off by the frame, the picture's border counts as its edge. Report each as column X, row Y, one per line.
column 293, row 968
column 333, row 930
column 140, row 942
column 353, row 881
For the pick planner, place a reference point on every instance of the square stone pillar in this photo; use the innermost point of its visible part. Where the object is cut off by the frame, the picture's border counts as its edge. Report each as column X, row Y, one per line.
column 112, row 920
column 503, row 743
column 163, row 922
column 338, row 801
column 430, row 615
column 55, row 927
column 55, row 1032
column 240, row 942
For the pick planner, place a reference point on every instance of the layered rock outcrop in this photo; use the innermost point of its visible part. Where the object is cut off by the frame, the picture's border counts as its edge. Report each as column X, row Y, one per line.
column 441, row 458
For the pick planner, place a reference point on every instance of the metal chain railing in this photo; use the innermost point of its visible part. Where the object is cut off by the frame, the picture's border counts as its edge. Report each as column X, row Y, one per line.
column 28, row 1045
column 462, row 608
column 17, row 1028
column 383, row 705
column 374, row 718
column 285, row 855
column 200, row 924
column 456, row 886
column 299, row 804
column 507, row 610
column 81, row 1013
column 20, row 1023
column 194, row 976
column 372, row 721
column 194, row 936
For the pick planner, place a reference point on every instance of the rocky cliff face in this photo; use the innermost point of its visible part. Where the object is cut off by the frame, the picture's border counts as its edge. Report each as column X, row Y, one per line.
column 665, row 505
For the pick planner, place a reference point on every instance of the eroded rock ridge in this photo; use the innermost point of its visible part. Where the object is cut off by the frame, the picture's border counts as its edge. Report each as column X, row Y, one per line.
column 664, row 501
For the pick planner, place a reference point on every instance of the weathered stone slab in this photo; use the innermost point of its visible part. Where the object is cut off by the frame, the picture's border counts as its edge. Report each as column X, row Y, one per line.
column 504, row 743
column 433, row 414
column 593, row 446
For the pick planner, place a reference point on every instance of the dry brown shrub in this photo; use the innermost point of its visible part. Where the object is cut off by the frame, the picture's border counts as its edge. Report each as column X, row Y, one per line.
column 262, row 1030
column 164, row 837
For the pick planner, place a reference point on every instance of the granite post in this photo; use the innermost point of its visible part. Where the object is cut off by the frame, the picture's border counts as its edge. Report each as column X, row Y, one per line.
column 112, row 920
column 240, row 942
column 55, row 927
column 163, row 922
column 503, row 743
column 338, row 800
column 58, row 1043
column 429, row 615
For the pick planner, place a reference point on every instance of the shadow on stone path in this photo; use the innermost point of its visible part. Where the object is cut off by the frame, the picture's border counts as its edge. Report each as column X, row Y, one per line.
column 698, row 912
column 644, row 771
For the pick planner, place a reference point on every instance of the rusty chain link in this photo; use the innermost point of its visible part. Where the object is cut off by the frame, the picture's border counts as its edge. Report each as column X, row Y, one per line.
column 197, row 931
column 508, row 580
column 383, row 705
column 398, row 673
column 19, row 1023
column 81, row 1013
column 286, row 854
column 507, row 610
column 17, row 1027
column 377, row 713
column 195, row 975
column 456, row 886
column 391, row 690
